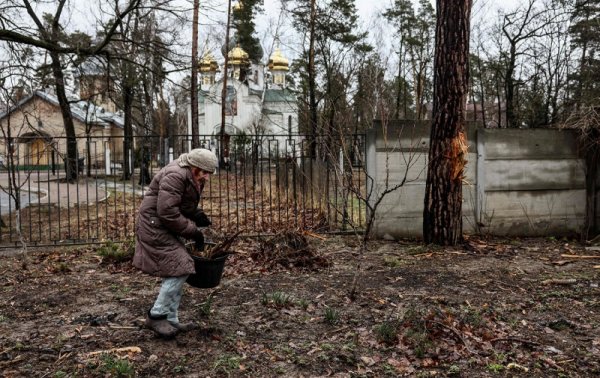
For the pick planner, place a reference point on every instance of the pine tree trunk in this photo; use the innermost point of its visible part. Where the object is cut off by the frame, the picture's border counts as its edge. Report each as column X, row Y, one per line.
column 194, row 81
column 591, row 159
column 311, row 83
column 442, row 216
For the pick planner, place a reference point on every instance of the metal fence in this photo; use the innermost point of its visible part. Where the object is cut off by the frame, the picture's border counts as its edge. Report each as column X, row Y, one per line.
column 264, row 184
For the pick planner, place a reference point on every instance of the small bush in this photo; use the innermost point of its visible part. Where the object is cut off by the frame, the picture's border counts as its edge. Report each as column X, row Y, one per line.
column 332, row 316
column 454, row 370
column 227, row 364
column 113, row 252
column 115, row 367
column 277, row 299
column 303, row 303
column 204, row 307
column 495, row 368
column 387, row 332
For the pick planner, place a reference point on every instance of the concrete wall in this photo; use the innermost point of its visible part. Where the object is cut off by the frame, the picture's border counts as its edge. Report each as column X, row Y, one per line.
column 518, row 182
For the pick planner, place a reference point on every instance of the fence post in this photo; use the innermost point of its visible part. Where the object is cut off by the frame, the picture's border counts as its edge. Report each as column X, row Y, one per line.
column 371, row 164
column 480, row 177
column 131, row 165
column 107, row 159
column 166, row 152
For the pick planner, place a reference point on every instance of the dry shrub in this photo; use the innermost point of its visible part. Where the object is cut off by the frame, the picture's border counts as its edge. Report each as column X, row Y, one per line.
column 289, row 249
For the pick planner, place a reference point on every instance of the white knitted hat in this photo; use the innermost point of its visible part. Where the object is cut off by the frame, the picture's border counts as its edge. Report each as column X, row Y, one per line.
column 201, row 158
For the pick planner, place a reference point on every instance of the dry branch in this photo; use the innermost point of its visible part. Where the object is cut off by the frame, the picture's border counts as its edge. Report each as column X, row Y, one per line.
column 580, row 256
column 558, row 281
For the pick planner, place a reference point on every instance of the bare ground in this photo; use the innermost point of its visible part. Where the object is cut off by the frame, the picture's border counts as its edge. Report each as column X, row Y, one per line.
column 500, row 307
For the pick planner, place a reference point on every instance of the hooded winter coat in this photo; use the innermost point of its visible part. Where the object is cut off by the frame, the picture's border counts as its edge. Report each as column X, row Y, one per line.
column 165, row 215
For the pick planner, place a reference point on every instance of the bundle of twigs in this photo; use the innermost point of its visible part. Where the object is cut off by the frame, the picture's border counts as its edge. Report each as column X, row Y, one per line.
column 213, row 251
column 289, row 249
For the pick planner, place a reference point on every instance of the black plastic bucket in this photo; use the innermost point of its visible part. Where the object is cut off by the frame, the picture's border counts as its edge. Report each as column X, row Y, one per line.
column 208, row 272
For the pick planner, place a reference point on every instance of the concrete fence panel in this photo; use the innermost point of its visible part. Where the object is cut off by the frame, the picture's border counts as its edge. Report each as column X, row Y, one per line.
column 517, row 182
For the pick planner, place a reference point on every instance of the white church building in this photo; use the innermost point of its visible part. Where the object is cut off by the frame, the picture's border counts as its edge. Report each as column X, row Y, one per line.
column 258, row 101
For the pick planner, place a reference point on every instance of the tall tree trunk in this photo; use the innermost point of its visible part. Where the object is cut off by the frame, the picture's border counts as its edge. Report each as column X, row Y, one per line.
column 311, row 81
column 511, row 116
column 592, row 156
column 65, row 109
column 128, row 93
column 194, row 83
column 579, row 87
column 482, row 90
column 400, row 80
column 224, row 90
column 442, row 216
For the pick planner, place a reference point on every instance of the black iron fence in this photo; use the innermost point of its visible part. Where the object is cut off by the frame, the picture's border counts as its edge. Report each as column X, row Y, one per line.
column 264, row 184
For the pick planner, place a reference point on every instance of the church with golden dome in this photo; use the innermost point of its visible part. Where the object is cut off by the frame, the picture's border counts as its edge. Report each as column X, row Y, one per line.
column 258, row 100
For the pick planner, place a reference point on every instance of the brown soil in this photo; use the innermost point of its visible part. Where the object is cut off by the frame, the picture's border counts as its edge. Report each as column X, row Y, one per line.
column 490, row 308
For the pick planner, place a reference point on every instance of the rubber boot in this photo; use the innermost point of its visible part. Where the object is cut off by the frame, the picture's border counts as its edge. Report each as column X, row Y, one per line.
column 185, row 327
column 160, row 325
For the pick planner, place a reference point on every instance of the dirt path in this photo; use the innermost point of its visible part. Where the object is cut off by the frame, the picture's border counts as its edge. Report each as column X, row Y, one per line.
column 491, row 308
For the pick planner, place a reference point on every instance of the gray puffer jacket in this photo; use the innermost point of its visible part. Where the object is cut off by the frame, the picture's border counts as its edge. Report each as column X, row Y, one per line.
column 165, row 215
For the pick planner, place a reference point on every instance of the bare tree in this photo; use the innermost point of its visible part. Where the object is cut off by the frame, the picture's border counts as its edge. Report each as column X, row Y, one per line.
column 16, row 179
column 519, row 26
column 48, row 34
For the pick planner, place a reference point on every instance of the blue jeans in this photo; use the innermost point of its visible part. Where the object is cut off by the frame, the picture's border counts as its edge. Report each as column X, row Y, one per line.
column 169, row 298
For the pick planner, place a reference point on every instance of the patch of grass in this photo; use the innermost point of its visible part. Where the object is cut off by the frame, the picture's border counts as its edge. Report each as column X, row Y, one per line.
column 555, row 294
column 495, row 368
column 389, row 369
column 3, row 318
column 115, row 367
column 417, row 333
column 454, row 370
column 181, row 366
column 500, row 357
column 112, row 252
column 350, row 347
column 277, row 299
column 426, row 374
column 327, row 347
column 303, row 303
column 60, row 374
column 420, row 249
column 19, row 345
column 227, row 364
column 60, row 340
column 472, row 316
column 285, row 350
column 420, row 342
column 392, row 261
column 120, row 291
column 204, row 307
column 387, row 332
column 332, row 316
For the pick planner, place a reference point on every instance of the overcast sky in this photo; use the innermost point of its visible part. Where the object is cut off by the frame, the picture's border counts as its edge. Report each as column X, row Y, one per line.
column 83, row 14
column 483, row 10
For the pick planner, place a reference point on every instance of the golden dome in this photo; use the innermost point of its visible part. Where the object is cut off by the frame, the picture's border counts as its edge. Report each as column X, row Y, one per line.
column 237, row 56
column 208, row 63
column 277, row 62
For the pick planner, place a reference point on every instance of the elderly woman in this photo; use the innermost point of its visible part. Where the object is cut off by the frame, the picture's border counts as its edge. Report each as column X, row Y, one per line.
column 169, row 212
